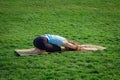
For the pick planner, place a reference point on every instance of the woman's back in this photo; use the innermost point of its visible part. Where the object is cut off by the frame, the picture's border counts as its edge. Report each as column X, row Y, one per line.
column 55, row 39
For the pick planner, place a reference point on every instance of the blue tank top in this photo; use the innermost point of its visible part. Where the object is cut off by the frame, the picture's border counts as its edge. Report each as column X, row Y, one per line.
column 55, row 39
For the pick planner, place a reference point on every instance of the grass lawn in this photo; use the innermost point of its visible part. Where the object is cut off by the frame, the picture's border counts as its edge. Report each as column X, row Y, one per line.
column 85, row 21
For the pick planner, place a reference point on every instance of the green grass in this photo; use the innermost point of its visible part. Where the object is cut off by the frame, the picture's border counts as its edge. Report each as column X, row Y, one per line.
column 85, row 21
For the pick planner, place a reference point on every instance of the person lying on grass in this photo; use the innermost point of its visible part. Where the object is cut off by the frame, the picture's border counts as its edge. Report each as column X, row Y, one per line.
column 56, row 43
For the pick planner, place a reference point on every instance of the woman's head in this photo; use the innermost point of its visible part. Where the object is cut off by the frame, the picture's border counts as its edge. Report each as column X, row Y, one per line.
column 78, row 48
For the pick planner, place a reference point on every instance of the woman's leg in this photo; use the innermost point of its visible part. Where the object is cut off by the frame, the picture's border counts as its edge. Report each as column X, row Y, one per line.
column 42, row 44
column 51, row 47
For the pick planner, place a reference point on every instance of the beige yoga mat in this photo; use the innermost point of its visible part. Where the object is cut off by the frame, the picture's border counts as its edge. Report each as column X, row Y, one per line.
column 89, row 47
column 94, row 47
column 26, row 52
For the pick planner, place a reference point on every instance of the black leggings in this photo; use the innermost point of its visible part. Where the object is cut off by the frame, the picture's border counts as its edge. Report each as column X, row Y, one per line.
column 42, row 43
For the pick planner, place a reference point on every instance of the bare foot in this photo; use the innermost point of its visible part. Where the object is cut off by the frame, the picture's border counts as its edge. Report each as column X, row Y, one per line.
column 38, row 51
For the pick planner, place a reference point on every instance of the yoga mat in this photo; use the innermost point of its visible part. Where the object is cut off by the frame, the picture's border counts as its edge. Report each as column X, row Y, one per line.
column 89, row 47
column 26, row 52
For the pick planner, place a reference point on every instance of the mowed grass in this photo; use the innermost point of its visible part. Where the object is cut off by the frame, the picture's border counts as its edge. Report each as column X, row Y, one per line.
column 85, row 21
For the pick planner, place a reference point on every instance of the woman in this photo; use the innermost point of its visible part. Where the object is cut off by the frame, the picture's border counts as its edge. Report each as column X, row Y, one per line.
column 55, row 43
